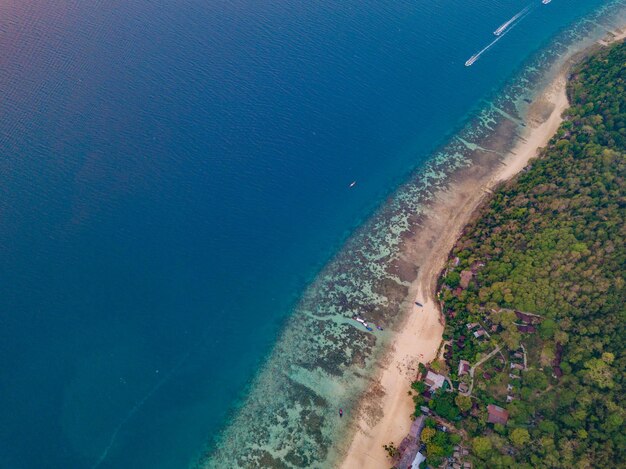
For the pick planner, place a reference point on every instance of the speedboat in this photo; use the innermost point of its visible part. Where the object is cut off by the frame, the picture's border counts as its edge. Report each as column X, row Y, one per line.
column 471, row 60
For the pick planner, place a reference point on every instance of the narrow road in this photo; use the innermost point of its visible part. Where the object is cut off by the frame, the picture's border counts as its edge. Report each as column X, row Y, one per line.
column 472, row 369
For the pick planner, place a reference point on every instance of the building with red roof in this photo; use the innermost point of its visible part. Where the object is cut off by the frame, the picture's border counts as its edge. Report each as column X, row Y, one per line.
column 497, row 414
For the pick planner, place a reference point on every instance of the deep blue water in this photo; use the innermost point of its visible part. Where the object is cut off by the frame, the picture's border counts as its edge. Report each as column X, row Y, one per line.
column 173, row 174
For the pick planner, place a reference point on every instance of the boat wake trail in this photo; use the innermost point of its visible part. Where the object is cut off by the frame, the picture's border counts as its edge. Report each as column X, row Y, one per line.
column 503, row 27
column 506, row 28
column 143, row 400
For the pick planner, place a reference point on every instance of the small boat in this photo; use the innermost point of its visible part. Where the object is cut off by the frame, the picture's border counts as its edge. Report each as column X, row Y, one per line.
column 362, row 321
column 353, row 183
column 369, row 328
column 471, row 60
column 419, row 304
column 379, row 328
column 545, row 2
column 503, row 27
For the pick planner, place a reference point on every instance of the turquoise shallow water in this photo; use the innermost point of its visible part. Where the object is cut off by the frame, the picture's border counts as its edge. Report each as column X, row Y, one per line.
column 175, row 177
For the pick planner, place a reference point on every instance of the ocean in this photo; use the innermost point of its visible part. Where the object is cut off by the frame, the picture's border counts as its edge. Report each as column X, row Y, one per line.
column 177, row 203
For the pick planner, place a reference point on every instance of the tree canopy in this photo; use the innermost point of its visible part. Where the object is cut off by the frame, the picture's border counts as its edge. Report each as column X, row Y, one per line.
column 551, row 243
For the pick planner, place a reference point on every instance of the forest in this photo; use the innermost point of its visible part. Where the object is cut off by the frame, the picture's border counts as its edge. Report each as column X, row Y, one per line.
column 540, row 271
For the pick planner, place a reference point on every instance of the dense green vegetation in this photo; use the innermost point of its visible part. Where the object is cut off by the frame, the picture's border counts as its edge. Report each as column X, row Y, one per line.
column 550, row 243
column 439, row 444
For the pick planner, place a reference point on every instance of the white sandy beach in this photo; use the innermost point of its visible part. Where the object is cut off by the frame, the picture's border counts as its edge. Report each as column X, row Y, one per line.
column 419, row 337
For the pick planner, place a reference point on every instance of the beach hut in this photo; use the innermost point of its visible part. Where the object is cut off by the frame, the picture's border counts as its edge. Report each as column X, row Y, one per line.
column 497, row 414
column 464, row 367
column 466, row 277
column 434, row 380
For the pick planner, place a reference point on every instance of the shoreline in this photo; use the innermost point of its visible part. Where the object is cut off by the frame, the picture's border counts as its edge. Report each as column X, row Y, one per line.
column 419, row 334
column 376, row 275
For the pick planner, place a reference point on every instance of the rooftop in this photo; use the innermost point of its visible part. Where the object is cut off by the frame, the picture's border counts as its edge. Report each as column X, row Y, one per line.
column 434, row 380
column 417, row 426
column 497, row 414
column 466, row 276
column 527, row 318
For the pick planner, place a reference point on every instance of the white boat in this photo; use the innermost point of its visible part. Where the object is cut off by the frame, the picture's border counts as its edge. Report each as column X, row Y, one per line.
column 501, row 29
column 471, row 60
column 545, row 2
column 504, row 26
column 353, row 183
